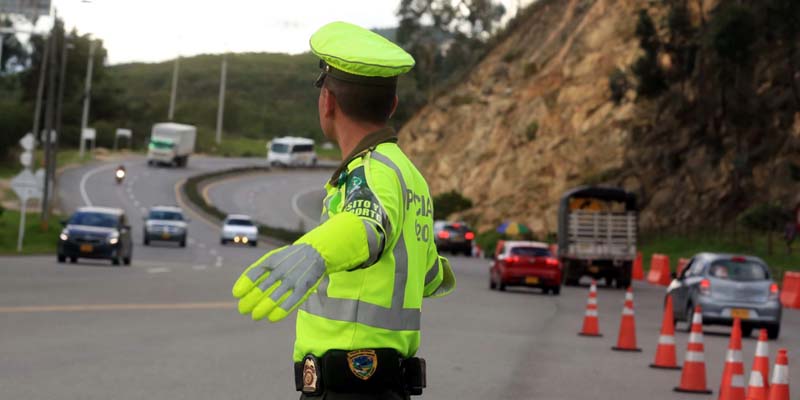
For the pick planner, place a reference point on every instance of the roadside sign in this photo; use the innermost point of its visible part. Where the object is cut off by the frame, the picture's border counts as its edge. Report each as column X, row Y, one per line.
column 26, row 158
column 28, row 142
column 28, row 186
column 124, row 132
column 89, row 134
column 29, row 8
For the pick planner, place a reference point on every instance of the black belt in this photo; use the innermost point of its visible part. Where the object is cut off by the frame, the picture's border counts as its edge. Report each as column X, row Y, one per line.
column 360, row 371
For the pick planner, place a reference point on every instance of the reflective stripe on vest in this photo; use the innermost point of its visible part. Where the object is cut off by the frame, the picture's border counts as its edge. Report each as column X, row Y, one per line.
column 350, row 310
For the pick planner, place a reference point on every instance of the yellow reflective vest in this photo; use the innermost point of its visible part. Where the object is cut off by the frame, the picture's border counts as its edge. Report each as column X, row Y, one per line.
column 378, row 303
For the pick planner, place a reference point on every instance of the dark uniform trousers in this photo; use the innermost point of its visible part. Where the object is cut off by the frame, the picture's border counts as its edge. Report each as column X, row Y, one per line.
column 388, row 395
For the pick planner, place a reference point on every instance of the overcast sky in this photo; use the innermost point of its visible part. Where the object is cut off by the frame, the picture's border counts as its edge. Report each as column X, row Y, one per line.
column 157, row 30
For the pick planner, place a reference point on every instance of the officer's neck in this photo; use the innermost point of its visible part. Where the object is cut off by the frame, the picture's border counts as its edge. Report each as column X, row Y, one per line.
column 349, row 134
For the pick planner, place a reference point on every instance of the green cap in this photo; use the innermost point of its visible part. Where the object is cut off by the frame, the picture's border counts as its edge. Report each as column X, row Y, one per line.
column 351, row 53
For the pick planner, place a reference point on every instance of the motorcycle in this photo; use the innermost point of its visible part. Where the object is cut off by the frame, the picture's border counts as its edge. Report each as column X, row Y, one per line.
column 119, row 175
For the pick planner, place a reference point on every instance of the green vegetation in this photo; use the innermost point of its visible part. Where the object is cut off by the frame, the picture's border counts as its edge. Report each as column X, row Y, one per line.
column 448, row 203
column 650, row 77
column 37, row 240
column 531, row 130
column 686, row 246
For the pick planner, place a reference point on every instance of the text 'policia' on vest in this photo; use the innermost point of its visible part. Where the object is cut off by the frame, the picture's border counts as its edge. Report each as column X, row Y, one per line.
column 359, row 278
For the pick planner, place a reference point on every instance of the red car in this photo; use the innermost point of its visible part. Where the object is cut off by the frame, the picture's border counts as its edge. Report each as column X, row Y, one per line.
column 518, row 263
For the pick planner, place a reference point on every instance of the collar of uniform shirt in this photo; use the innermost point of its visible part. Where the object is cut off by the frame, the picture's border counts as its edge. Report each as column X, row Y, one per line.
column 370, row 141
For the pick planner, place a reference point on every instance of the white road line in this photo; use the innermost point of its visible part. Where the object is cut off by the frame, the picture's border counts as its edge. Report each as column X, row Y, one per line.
column 190, row 241
column 143, row 211
column 219, row 262
column 129, row 189
column 136, row 203
column 201, row 245
column 308, row 220
column 199, row 267
column 86, row 177
column 213, row 252
column 157, row 270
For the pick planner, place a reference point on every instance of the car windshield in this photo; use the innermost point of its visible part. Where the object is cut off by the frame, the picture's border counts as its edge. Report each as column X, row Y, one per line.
column 239, row 222
column 303, row 148
column 166, row 215
column 530, row 251
column 94, row 219
column 738, row 270
column 161, row 144
column 279, row 148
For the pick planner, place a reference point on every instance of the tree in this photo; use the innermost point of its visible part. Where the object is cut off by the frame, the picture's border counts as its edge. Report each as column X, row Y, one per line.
column 646, row 68
column 445, row 36
column 449, row 203
column 14, row 53
column 783, row 16
column 767, row 218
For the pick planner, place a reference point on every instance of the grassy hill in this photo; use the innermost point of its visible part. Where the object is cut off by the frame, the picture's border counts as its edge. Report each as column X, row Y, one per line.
column 267, row 95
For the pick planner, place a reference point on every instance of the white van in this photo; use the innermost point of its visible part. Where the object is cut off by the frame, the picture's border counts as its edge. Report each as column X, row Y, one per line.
column 291, row 151
column 171, row 143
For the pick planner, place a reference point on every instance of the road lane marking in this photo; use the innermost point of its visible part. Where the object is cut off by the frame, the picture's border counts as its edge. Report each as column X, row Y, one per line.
column 199, row 267
column 157, row 270
column 190, row 241
column 213, row 252
column 143, row 211
column 86, row 177
column 136, row 203
column 117, row 307
column 201, row 245
column 219, row 262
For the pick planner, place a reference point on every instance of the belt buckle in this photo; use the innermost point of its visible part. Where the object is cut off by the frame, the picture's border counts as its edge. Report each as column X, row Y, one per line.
column 312, row 380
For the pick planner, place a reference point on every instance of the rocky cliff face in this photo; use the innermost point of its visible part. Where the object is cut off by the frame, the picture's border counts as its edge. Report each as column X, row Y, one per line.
column 535, row 118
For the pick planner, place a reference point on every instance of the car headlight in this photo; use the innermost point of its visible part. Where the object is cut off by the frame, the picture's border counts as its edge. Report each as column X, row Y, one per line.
column 64, row 235
column 113, row 238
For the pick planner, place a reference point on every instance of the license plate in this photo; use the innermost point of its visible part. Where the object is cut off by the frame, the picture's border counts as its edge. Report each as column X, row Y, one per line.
column 741, row 313
column 531, row 280
column 86, row 248
column 165, row 235
column 593, row 269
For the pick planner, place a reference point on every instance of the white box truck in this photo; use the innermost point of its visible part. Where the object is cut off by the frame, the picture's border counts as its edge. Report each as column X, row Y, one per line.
column 171, row 143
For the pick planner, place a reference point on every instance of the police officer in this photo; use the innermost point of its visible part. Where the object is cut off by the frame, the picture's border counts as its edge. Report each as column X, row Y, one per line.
column 360, row 276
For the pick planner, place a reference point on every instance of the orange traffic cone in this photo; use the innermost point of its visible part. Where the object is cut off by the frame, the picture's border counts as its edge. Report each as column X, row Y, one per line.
column 779, row 389
column 761, row 360
column 591, row 325
column 665, row 352
column 627, row 326
column 756, row 389
column 732, row 385
column 693, row 377
column 638, row 270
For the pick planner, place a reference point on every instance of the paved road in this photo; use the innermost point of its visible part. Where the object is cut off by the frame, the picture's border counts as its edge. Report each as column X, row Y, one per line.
column 289, row 199
column 166, row 329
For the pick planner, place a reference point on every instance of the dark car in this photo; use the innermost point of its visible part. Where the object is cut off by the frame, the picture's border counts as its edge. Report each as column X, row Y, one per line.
column 96, row 232
column 165, row 223
column 455, row 237
column 725, row 287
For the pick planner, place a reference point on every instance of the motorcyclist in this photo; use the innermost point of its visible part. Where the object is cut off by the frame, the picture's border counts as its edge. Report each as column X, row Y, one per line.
column 120, row 173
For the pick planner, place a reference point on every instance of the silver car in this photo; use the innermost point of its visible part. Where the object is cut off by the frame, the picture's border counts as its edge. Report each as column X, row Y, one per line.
column 239, row 229
column 165, row 223
column 727, row 286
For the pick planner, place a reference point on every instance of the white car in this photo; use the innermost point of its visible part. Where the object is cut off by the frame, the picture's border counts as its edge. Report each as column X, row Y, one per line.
column 291, row 151
column 239, row 229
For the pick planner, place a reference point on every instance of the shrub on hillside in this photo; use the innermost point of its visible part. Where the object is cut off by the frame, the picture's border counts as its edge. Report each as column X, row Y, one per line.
column 448, row 203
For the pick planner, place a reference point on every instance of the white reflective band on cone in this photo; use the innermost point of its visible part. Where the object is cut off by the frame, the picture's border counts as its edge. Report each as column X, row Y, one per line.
column 695, row 337
column 781, row 375
column 695, row 356
column 591, row 313
column 666, row 339
column 592, row 300
column 697, row 318
column 756, row 380
column 733, row 356
column 627, row 311
column 762, row 349
column 737, row 381
column 628, row 296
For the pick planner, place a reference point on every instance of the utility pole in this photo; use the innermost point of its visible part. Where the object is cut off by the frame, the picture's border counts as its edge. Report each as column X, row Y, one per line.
column 48, row 119
column 59, row 110
column 171, row 113
column 37, row 111
column 87, row 95
column 221, row 103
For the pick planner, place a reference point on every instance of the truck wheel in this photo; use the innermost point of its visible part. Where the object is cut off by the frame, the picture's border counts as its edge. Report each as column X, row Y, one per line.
column 688, row 317
column 556, row 290
column 492, row 285
column 62, row 258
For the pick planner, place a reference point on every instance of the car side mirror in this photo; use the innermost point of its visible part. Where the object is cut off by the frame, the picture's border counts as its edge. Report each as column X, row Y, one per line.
column 64, row 222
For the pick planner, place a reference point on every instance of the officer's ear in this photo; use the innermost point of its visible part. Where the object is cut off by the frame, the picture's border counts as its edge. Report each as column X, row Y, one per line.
column 328, row 103
column 394, row 106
